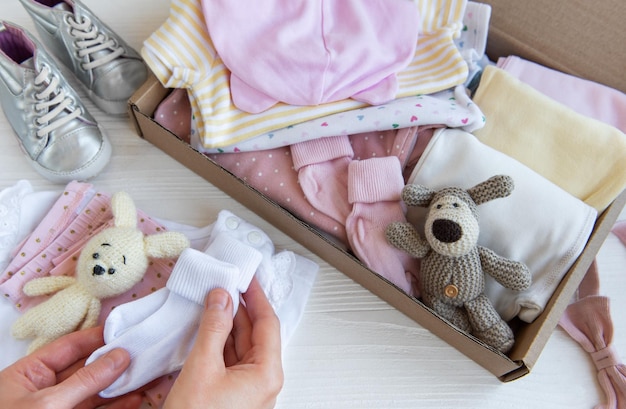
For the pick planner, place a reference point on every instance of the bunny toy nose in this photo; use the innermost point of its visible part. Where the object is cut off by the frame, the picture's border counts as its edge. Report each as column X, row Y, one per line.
column 98, row 270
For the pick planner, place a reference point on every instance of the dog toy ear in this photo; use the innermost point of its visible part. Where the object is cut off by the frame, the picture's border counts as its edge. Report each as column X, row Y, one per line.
column 493, row 188
column 417, row 195
column 165, row 245
column 124, row 210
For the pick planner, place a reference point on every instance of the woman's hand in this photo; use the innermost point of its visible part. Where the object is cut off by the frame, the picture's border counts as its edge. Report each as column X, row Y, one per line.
column 234, row 363
column 54, row 376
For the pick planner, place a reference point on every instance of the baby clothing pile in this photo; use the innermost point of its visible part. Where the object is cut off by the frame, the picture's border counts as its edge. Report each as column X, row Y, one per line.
column 338, row 160
column 327, row 56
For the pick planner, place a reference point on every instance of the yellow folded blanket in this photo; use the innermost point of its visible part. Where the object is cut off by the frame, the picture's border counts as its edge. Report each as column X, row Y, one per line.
column 583, row 156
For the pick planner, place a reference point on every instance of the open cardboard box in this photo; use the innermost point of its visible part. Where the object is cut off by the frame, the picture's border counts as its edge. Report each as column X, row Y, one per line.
column 514, row 30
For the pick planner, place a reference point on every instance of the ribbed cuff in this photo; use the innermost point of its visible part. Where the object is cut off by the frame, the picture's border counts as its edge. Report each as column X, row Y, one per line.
column 320, row 150
column 196, row 273
column 375, row 180
column 232, row 251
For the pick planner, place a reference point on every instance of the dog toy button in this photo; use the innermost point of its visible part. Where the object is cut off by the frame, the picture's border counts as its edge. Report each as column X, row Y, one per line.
column 451, row 291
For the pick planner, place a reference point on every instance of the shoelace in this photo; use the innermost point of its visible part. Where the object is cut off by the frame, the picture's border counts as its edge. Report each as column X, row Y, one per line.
column 54, row 101
column 90, row 41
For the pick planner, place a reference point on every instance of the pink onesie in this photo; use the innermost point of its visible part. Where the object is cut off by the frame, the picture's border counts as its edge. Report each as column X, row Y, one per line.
column 312, row 52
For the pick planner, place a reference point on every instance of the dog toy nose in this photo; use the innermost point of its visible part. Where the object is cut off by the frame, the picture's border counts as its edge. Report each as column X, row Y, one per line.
column 446, row 231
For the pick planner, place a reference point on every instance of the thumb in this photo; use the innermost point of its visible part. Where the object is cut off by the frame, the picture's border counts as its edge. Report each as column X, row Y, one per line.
column 214, row 329
column 92, row 378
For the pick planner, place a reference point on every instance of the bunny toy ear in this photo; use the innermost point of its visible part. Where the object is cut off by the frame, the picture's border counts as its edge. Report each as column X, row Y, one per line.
column 493, row 188
column 124, row 210
column 417, row 195
column 166, row 244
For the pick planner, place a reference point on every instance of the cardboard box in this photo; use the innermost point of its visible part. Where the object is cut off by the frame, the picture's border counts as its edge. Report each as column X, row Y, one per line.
column 529, row 43
column 579, row 37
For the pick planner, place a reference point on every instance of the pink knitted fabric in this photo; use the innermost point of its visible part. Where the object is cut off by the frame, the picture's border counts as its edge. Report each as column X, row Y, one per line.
column 374, row 190
column 322, row 166
column 312, row 52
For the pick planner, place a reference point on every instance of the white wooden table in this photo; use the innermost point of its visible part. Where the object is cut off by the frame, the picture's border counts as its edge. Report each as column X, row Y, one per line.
column 351, row 350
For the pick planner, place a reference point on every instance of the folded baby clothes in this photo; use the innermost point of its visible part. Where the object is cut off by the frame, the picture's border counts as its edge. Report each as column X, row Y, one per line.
column 473, row 39
column 272, row 173
column 174, row 113
column 182, row 55
column 583, row 96
column 583, row 156
column 539, row 224
column 452, row 108
column 312, row 53
column 87, row 218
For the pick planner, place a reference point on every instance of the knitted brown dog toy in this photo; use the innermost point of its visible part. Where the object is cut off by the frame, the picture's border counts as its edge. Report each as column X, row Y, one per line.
column 453, row 265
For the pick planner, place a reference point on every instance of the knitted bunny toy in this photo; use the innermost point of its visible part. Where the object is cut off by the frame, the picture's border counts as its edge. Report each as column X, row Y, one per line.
column 110, row 263
column 453, row 265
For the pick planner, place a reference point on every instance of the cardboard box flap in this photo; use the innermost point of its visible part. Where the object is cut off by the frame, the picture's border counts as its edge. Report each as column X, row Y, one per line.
column 582, row 38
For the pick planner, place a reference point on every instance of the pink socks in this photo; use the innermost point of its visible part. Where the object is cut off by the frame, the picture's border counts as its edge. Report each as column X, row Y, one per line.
column 374, row 189
column 322, row 166
column 362, row 195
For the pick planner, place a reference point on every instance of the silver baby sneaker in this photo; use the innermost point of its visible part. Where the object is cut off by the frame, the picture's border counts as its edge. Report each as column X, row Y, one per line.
column 55, row 131
column 110, row 70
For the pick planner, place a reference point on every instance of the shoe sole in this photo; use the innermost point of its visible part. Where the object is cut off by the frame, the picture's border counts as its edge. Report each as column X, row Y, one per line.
column 88, row 171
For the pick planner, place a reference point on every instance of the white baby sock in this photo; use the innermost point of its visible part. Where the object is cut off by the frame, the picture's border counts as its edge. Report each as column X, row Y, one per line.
column 288, row 286
column 161, row 338
column 286, row 278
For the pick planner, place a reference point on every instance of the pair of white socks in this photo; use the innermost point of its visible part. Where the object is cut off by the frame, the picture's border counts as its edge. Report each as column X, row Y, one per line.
column 159, row 330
